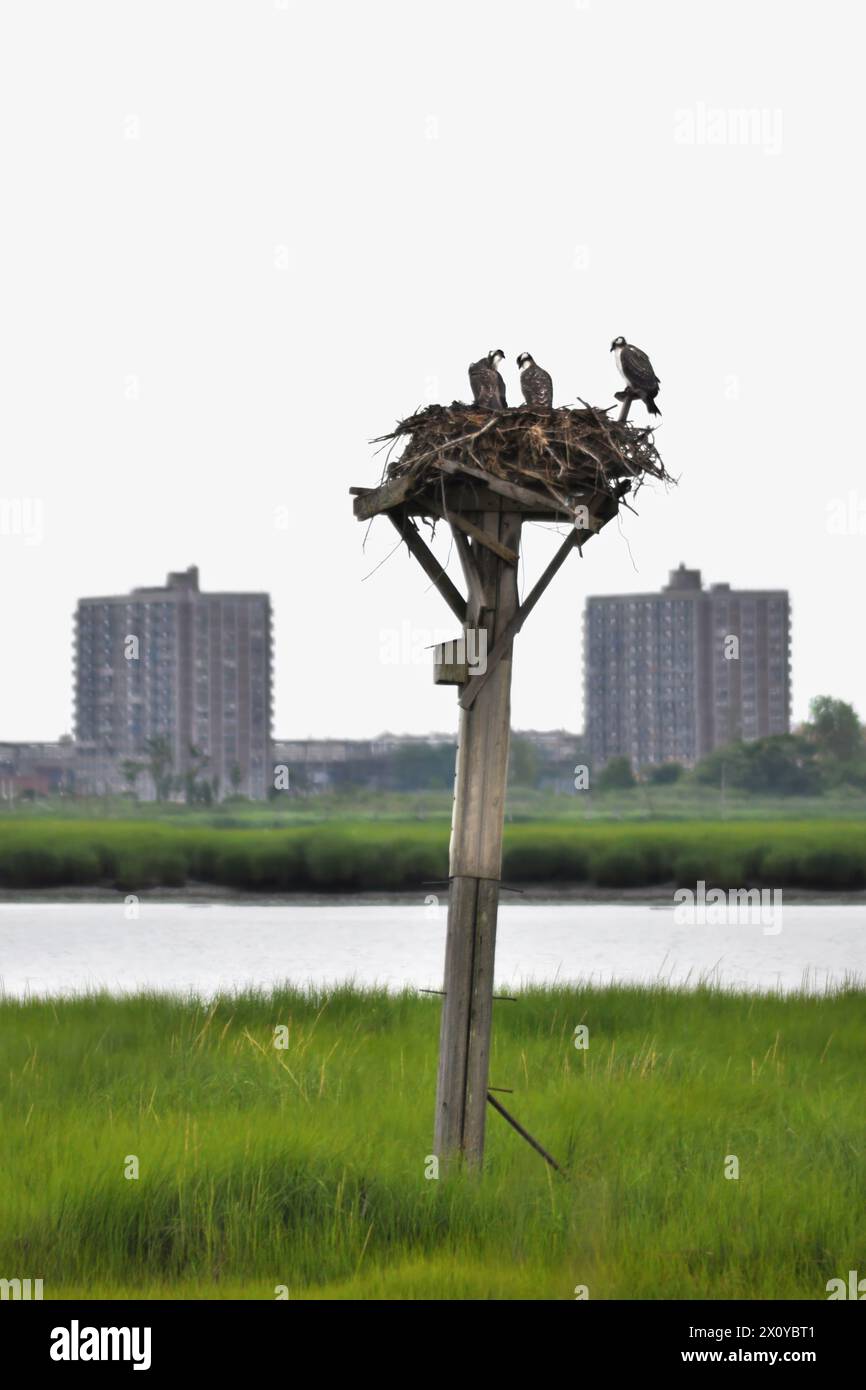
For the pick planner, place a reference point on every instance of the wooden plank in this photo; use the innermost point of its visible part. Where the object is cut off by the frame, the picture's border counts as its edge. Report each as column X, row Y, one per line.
column 464, row 497
column 430, row 565
column 380, row 499
column 478, row 599
column 526, row 497
column 477, row 533
column 471, row 500
column 457, row 496
column 468, row 507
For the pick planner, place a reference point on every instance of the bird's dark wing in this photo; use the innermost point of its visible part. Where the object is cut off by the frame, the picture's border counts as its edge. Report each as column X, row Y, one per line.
column 543, row 387
column 500, row 390
column 483, row 383
column 638, row 369
column 537, row 387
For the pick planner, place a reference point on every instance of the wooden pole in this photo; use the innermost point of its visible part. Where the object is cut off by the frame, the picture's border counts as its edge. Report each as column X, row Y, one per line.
column 475, row 866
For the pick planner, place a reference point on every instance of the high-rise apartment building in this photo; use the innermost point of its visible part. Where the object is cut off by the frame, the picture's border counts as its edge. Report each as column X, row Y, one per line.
column 174, row 663
column 670, row 676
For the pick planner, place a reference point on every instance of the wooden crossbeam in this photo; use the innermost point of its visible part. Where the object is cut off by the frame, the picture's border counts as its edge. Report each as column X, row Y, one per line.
column 513, row 491
column 478, row 597
column 471, row 499
column 381, row 499
column 470, row 529
column 429, row 564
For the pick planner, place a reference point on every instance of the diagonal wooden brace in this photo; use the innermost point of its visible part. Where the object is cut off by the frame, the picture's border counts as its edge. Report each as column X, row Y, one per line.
column 503, row 643
column 428, row 562
column 475, row 532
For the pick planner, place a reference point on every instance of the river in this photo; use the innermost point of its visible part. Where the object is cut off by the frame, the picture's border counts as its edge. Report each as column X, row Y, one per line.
column 52, row 949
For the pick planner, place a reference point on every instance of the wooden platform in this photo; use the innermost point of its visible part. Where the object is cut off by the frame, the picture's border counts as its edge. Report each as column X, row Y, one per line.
column 463, row 490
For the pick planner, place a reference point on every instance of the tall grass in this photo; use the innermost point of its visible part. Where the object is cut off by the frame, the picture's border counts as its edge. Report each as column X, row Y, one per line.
column 132, row 855
column 305, row 1167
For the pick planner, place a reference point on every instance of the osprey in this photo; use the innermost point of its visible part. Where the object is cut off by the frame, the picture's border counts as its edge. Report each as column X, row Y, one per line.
column 637, row 369
column 537, row 384
column 488, row 388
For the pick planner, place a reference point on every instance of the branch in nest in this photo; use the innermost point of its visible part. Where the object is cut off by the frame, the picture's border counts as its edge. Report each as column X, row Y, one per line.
column 569, row 445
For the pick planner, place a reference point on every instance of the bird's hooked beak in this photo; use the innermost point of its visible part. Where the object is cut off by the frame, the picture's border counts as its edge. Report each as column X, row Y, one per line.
column 612, row 346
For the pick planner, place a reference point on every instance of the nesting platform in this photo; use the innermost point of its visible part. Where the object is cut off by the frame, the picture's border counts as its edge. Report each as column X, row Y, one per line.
column 548, row 465
column 483, row 473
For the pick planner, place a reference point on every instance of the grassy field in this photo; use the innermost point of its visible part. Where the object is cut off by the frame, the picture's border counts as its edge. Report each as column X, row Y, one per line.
column 305, row 1167
column 374, row 855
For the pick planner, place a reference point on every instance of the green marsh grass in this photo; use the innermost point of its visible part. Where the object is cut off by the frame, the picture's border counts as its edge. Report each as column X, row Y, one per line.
column 378, row 855
column 305, row 1167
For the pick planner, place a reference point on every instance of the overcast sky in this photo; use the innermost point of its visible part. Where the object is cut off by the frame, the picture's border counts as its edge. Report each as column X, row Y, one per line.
column 240, row 239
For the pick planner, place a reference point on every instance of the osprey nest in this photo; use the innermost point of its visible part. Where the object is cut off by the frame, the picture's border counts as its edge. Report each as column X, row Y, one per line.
column 555, row 451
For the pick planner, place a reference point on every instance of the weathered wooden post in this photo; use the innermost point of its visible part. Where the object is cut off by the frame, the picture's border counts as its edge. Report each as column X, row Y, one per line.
column 441, row 477
column 475, row 864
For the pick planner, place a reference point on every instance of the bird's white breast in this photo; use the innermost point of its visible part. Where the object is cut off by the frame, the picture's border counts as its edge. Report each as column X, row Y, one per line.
column 617, row 352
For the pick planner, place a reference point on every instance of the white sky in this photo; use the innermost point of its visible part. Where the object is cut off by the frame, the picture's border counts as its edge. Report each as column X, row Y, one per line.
column 239, row 239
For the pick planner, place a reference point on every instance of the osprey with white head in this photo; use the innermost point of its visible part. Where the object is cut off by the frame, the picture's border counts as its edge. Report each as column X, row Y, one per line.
column 637, row 369
column 488, row 388
column 535, row 382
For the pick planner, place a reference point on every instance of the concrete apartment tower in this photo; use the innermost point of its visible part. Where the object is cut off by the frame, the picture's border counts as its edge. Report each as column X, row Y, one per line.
column 670, row 676
column 192, row 667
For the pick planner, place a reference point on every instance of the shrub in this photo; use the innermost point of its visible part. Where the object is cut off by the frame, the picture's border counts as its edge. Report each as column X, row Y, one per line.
column 616, row 774
column 533, row 860
column 150, row 868
column 834, row 867
column 665, row 773
column 330, row 861
column 31, row 866
column 625, row 864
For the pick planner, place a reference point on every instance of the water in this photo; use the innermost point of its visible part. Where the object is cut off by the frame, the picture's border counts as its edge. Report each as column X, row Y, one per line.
column 61, row 948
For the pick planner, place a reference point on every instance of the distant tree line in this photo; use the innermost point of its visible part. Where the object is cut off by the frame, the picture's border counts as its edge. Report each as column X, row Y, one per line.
column 826, row 753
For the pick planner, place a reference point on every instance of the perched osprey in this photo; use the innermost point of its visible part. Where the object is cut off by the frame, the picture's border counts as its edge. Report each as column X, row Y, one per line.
column 637, row 369
column 488, row 388
column 537, row 384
